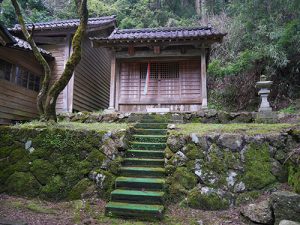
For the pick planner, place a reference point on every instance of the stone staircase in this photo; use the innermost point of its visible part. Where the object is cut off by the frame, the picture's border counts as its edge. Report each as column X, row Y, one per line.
column 139, row 190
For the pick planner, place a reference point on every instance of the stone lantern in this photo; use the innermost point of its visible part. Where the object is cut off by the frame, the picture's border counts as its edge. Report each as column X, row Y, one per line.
column 264, row 92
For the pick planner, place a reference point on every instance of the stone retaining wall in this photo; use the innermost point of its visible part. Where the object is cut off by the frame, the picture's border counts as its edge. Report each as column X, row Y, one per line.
column 216, row 171
column 58, row 163
column 207, row 116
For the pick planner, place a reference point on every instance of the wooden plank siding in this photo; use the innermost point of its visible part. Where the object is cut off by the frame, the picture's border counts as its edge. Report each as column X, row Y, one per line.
column 181, row 92
column 16, row 102
column 59, row 53
column 92, row 78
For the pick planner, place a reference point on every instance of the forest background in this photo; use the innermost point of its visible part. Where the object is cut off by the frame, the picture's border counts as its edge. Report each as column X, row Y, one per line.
column 263, row 37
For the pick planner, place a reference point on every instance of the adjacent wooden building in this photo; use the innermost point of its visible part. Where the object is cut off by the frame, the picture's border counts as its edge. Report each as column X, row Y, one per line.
column 88, row 90
column 20, row 76
column 160, row 69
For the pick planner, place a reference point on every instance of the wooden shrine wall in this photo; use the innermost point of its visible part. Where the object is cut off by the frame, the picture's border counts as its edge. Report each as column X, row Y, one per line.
column 174, row 85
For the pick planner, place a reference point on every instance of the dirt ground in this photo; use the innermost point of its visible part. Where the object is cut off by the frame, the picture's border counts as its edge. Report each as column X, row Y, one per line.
column 91, row 211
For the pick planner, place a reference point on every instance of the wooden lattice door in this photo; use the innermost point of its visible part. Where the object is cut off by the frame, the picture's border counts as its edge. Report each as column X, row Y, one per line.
column 164, row 82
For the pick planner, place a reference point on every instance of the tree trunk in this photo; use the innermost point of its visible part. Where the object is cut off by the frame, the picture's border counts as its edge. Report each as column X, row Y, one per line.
column 203, row 10
column 47, row 71
column 61, row 83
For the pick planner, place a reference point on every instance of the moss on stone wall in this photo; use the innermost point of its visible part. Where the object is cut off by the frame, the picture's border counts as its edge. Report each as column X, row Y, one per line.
column 257, row 167
column 206, row 201
column 294, row 177
column 54, row 163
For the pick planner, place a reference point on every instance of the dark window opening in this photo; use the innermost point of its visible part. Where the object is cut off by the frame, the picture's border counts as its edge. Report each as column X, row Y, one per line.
column 160, row 70
column 5, row 70
column 19, row 76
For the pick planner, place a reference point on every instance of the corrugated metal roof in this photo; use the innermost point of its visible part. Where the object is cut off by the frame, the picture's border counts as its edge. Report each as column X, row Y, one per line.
column 150, row 34
column 66, row 24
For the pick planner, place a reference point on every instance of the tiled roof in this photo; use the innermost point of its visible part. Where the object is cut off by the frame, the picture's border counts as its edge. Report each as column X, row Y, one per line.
column 160, row 34
column 24, row 45
column 5, row 36
column 67, row 24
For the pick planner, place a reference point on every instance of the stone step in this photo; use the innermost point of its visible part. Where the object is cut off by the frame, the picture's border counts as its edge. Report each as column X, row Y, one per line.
column 151, row 131
column 152, row 125
column 142, row 153
column 148, row 145
column 135, row 196
column 143, row 162
column 140, row 183
column 132, row 210
column 154, row 121
column 150, row 138
column 142, row 171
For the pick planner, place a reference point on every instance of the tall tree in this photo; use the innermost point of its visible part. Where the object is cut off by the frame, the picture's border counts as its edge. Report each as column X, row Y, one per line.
column 47, row 97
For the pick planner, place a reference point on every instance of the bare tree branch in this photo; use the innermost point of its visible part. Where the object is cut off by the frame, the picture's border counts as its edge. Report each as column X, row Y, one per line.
column 47, row 71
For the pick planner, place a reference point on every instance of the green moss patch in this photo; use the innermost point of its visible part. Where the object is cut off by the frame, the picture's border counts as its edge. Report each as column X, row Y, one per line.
column 209, row 201
column 21, row 183
column 79, row 188
column 294, row 177
column 249, row 129
column 257, row 167
column 43, row 170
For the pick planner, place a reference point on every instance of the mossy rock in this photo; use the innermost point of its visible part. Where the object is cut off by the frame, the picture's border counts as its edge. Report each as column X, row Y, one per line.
column 54, row 189
column 41, row 153
column 208, row 201
column 105, row 183
column 192, row 152
column 168, row 153
column 179, row 183
column 170, row 169
column 114, row 165
column 43, row 170
column 16, row 155
column 294, row 177
column 258, row 167
column 247, row 197
column 21, row 183
column 79, row 189
column 5, row 151
column 96, row 157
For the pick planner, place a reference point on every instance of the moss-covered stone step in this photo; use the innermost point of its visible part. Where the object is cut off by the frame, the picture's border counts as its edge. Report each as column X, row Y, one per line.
column 152, row 125
column 143, row 162
column 154, row 120
column 148, row 145
column 151, row 131
column 142, row 171
column 142, row 153
column 135, row 196
column 144, row 211
column 150, row 138
column 140, row 182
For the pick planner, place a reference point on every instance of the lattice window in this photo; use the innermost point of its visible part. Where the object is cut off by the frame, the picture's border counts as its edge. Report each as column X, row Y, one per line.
column 160, row 70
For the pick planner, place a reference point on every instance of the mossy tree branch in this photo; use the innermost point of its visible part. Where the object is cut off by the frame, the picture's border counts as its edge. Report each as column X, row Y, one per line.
column 61, row 83
column 47, row 71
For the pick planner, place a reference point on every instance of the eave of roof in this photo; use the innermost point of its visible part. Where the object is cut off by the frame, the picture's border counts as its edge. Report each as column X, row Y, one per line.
column 5, row 36
column 25, row 46
column 149, row 35
column 67, row 24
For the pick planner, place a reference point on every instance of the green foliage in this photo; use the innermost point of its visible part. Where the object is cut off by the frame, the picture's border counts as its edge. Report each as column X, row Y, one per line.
column 289, row 110
column 244, row 61
column 258, row 167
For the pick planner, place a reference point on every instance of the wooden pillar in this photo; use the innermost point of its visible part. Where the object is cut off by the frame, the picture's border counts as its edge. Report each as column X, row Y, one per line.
column 112, row 82
column 203, row 78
